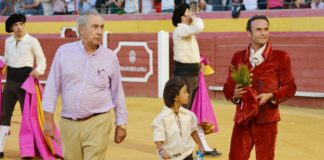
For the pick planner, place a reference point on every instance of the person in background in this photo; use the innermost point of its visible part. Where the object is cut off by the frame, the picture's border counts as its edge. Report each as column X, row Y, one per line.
column 59, row 7
column 87, row 5
column 186, row 53
column 47, row 7
column 157, row 6
column 275, row 4
column 32, row 7
column 317, row 4
column 147, row 6
column 18, row 6
column 3, row 7
column 20, row 51
column 116, row 6
column 203, row 109
column 167, row 6
column 73, row 6
column 131, row 6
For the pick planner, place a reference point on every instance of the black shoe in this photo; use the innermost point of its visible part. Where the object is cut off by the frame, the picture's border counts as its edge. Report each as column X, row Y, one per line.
column 1, row 155
column 213, row 153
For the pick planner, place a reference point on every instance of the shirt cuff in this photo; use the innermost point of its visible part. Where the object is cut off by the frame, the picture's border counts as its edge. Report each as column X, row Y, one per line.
column 158, row 139
column 120, row 122
column 48, row 109
column 39, row 71
column 236, row 100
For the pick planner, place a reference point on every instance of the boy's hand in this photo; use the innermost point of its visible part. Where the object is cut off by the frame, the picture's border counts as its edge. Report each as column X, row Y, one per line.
column 165, row 155
column 201, row 149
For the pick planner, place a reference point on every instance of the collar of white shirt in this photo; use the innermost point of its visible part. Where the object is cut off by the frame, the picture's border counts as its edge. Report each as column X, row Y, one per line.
column 256, row 57
column 167, row 111
column 82, row 48
column 24, row 39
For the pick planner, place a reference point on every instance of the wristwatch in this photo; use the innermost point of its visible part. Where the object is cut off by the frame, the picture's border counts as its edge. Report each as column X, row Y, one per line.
column 123, row 126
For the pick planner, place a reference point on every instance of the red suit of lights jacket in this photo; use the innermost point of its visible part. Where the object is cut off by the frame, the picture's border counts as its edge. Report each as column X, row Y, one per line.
column 272, row 75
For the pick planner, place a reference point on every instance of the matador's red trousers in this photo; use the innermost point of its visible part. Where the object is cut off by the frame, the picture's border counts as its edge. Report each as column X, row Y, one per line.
column 262, row 136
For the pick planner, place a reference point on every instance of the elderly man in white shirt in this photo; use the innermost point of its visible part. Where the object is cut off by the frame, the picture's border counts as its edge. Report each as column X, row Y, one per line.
column 20, row 51
column 187, row 57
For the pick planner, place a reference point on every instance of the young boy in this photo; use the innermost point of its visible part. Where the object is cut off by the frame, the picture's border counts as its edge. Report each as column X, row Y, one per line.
column 174, row 129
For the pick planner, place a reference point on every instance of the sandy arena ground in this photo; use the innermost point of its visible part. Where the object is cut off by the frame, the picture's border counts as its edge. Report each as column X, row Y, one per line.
column 301, row 132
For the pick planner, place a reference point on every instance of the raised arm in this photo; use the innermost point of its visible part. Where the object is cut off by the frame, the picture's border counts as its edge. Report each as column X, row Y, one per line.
column 196, row 26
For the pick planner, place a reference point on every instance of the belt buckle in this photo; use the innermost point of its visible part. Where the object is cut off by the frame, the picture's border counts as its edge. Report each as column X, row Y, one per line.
column 85, row 118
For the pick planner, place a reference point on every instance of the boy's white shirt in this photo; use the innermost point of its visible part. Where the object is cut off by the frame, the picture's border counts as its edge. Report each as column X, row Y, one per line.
column 165, row 129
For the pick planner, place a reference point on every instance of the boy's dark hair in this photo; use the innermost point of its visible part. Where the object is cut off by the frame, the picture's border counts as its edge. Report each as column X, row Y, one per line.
column 256, row 17
column 171, row 90
column 178, row 12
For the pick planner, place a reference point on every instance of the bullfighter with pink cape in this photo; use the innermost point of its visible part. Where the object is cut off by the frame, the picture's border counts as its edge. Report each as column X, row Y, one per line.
column 203, row 109
column 32, row 141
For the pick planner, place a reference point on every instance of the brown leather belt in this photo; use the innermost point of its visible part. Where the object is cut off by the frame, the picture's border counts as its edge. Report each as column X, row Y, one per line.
column 85, row 118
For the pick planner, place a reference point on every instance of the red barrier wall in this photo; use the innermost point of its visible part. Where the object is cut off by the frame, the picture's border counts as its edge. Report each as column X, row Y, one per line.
column 305, row 53
column 149, row 88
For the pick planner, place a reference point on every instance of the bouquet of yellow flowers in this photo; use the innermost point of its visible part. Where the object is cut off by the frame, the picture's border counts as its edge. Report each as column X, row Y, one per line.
column 241, row 75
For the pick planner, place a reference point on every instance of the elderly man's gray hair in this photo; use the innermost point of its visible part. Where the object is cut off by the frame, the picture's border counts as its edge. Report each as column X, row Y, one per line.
column 82, row 20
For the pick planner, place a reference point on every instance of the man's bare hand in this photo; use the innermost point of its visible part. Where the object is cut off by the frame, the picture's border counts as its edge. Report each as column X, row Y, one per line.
column 34, row 74
column 264, row 98
column 120, row 134
column 49, row 128
column 238, row 92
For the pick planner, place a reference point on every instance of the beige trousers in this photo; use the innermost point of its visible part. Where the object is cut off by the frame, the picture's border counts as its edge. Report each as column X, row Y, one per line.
column 86, row 140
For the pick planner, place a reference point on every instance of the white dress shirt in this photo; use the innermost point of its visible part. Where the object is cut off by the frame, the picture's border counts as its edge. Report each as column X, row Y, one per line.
column 185, row 46
column 257, row 58
column 22, row 53
column 167, row 130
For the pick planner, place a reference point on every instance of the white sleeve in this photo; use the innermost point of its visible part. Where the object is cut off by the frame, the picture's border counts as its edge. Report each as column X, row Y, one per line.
column 194, row 123
column 158, row 130
column 196, row 27
column 40, row 58
column 5, row 58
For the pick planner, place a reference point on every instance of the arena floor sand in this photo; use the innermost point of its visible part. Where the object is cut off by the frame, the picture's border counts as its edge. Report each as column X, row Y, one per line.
column 301, row 132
